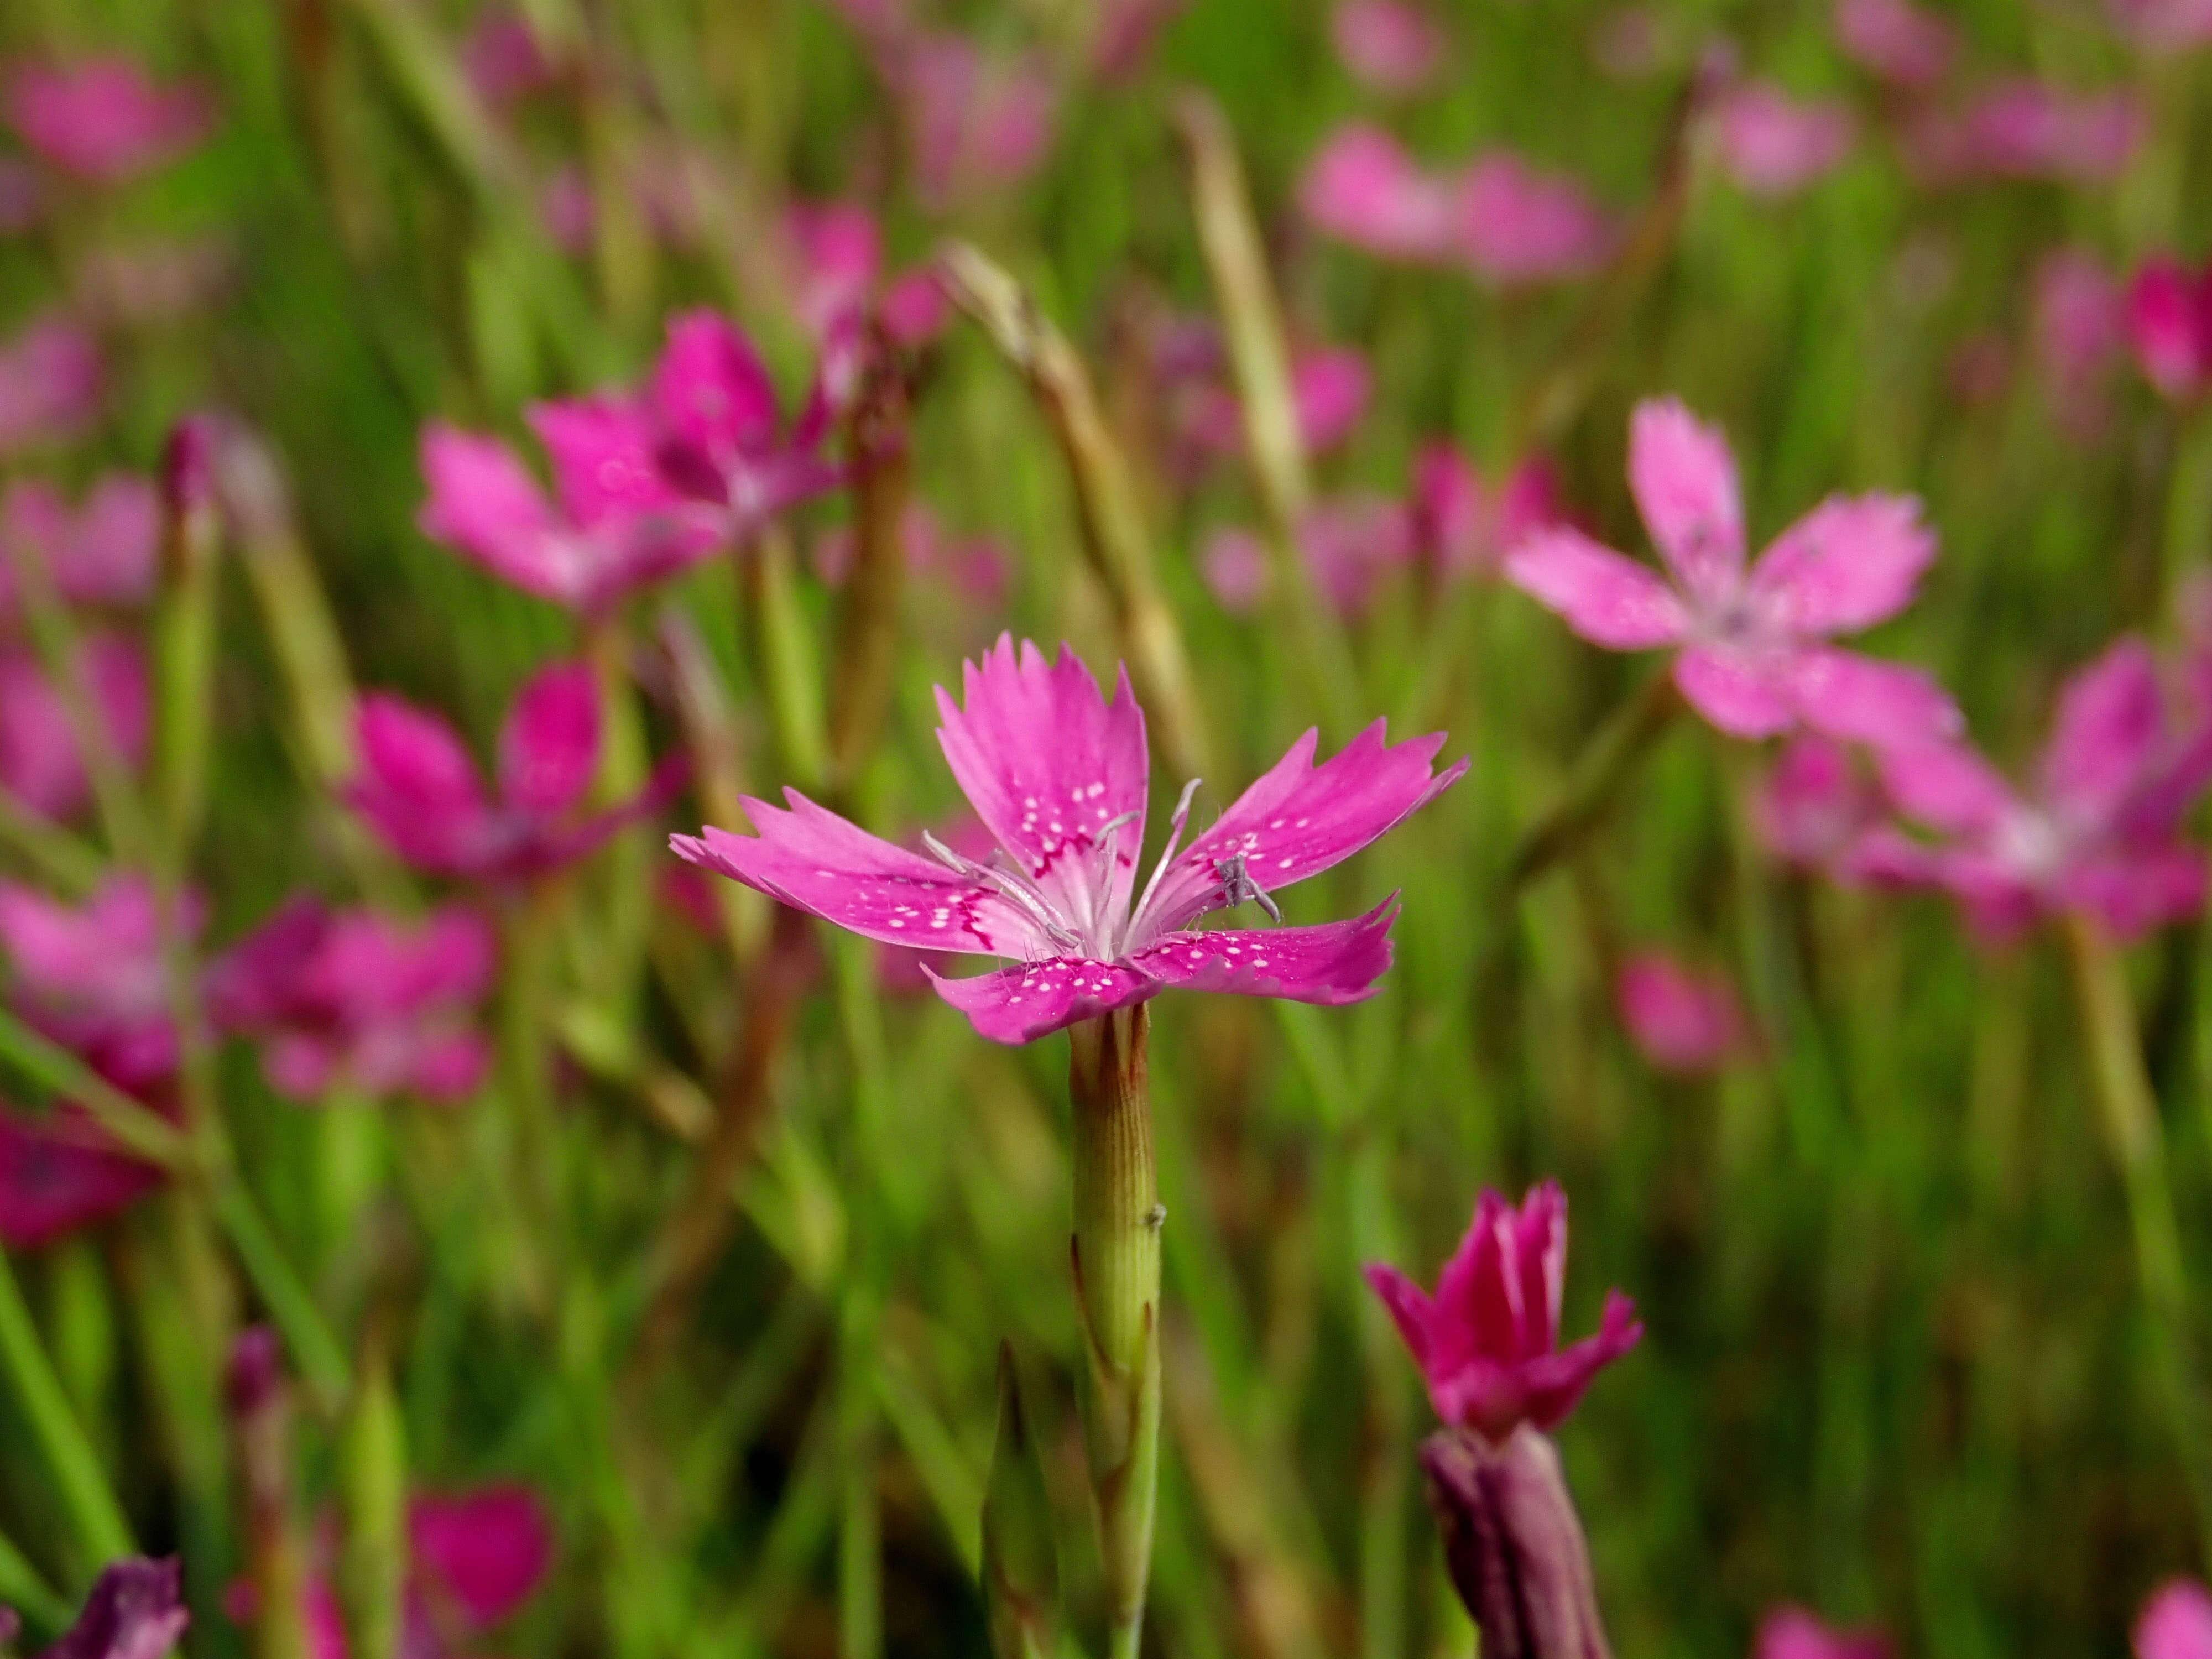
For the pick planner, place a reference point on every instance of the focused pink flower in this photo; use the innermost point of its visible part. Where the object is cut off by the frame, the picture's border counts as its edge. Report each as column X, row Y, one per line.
column 975, row 123
column 476, row 1556
column 1904, row 44
column 1463, row 525
column 102, row 120
column 1487, row 1342
column 2164, row 26
column 360, row 1001
column 1679, row 1020
column 1752, row 652
column 100, row 553
column 1361, row 187
column 50, row 384
column 2169, row 321
column 1790, row 1633
column 2176, row 1622
column 501, row 58
column 41, row 767
column 2027, row 129
column 1816, row 806
column 92, row 977
column 60, row 1172
column 136, row 1611
column 2080, row 326
column 1059, row 776
column 1771, row 144
column 419, row 789
column 1517, row 225
column 1387, row 44
column 2099, row 834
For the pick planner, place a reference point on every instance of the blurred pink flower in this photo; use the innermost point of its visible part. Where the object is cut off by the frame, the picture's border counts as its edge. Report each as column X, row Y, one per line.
column 1361, row 187
column 837, row 277
column 1058, row 775
column 973, row 567
column 1352, row 543
column 500, row 56
column 49, row 383
column 1816, row 806
column 419, row 789
column 2176, row 1622
column 1234, row 562
column 2099, row 832
column 41, row 767
column 1388, row 45
column 60, row 1172
column 102, row 120
column 1517, row 225
column 1487, row 1342
column 92, row 976
column 22, row 195
column 976, row 123
column 1330, row 386
column 1752, row 652
column 1679, row 1020
column 102, row 552
column 2162, row 26
column 1463, row 525
column 1771, row 144
column 360, row 1001
column 136, row 1611
column 2169, row 323
column 566, row 210
column 2079, row 328
column 1905, row 45
column 1788, row 1633
column 2028, row 128
column 1123, row 35
column 476, row 1556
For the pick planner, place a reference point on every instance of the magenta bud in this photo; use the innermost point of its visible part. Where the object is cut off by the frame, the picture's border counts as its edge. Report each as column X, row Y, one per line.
column 136, row 1611
column 255, row 1373
column 188, row 463
column 1514, row 1545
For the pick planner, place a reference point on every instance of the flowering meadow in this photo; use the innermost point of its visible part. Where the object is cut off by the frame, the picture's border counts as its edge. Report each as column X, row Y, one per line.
column 852, row 827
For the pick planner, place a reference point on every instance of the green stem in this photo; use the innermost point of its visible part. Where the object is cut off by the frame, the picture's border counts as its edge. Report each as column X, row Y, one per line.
column 2137, row 1141
column 1117, row 1279
column 60, row 857
column 291, row 1306
column 101, row 1531
column 144, row 1134
column 2189, row 497
column 23, row 1589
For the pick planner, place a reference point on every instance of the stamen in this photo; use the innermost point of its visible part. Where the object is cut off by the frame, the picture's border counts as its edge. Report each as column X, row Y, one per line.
column 1012, row 884
column 1167, row 857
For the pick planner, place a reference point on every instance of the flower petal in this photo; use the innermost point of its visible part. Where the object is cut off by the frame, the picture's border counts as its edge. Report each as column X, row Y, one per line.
column 61, row 1172
column 1045, row 760
column 486, row 1550
column 2166, row 323
column 2105, row 735
column 549, row 744
column 602, row 449
column 1493, row 1397
column 1947, row 786
column 710, row 389
column 2176, row 1623
column 1744, row 693
column 1606, row 597
column 811, row 859
column 418, row 785
column 136, row 1611
column 1298, row 820
column 485, row 503
column 1850, row 562
column 1021, row 1004
column 1409, row 1307
column 1683, row 478
column 2135, row 889
column 1861, row 700
column 1332, row 962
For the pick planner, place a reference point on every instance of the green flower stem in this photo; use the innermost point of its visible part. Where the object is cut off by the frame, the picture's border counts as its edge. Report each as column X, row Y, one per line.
column 1118, row 1219
column 2134, row 1133
column 2189, row 496
column 62, row 859
column 23, row 1589
column 1598, row 773
column 184, row 654
column 102, row 1535
column 292, row 1307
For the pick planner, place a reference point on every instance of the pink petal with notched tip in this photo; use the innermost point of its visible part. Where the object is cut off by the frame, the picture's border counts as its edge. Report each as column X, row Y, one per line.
column 1946, row 787
column 1330, row 963
column 486, row 1550
column 1606, row 597
column 1794, row 1633
column 1683, row 476
column 1850, row 562
column 1045, row 760
column 1019, row 1005
column 711, row 390
column 485, row 503
column 1496, row 1296
column 601, row 447
column 2169, row 326
column 819, row 863
column 1744, row 693
column 1860, row 699
column 2105, row 735
column 1298, row 820
column 549, row 746
column 2176, row 1622
column 60, row 1172
column 1361, row 187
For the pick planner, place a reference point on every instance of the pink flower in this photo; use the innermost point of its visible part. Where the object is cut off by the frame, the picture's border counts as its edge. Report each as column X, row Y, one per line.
column 61, row 1172
column 136, row 1611
column 2025, row 129
column 973, row 567
column 1123, row 35
column 1352, row 543
column 1487, row 1342
column 1234, row 563
column 1752, row 656
column 2169, row 322
column 360, row 1001
column 1816, row 806
column 2176, row 1623
column 1362, row 188
column 1059, row 776
column 501, row 58
column 478, row 1555
column 1517, row 225
column 1330, row 386
column 2099, row 834
column 49, row 383
column 1788, row 1632
column 1902, row 43
column 1463, row 525
column 1388, row 45
column 419, row 790
column 92, row 977
column 1679, row 1020
column 1772, row 145
column 2164, row 26
column 976, row 123
column 837, row 256
column 102, row 552
column 40, row 765
column 2081, row 323
column 566, row 210
column 102, row 120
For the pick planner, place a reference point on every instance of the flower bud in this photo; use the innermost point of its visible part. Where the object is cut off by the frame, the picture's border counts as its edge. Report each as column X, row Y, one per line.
column 1514, row 1545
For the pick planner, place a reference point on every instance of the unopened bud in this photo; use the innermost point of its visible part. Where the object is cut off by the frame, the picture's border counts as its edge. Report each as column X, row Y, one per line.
column 255, row 1373
column 136, row 1611
column 188, row 463
column 1514, row 1545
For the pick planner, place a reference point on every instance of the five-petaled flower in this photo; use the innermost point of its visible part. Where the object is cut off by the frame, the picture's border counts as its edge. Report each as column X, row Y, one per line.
column 1487, row 1341
column 1057, row 776
column 1752, row 652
